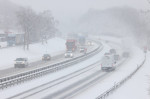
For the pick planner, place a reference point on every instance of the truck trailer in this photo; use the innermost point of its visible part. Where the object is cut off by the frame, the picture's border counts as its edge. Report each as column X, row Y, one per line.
column 71, row 45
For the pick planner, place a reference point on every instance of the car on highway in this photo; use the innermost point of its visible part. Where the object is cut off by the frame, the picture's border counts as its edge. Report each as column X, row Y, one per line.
column 116, row 57
column 125, row 54
column 108, row 63
column 112, row 51
column 69, row 54
column 83, row 50
column 90, row 43
column 21, row 63
column 46, row 57
column 107, row 53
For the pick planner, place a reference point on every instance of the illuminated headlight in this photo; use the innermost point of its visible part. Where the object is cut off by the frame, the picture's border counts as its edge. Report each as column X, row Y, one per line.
column 65, row 54
column 71, row 54
column 22, row 62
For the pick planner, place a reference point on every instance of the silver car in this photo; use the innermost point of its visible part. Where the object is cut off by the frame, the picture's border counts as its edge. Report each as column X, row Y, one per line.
column 69, row 54
column 21, row 63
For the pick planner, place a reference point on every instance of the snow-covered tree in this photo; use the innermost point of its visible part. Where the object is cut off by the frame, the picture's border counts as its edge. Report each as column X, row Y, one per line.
column 46, row 25
column 7, row 15
column 35, row 26
column 26, row 19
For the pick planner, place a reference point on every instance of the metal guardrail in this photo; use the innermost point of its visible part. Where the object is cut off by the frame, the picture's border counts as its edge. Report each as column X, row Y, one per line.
column 117, row 85
column 21, row 77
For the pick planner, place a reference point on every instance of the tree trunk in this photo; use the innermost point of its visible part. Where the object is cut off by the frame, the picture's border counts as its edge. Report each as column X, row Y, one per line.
column 28, row 41
column 24, row 45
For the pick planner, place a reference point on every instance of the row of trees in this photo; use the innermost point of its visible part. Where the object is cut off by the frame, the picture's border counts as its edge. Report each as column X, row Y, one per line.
column 35, row 26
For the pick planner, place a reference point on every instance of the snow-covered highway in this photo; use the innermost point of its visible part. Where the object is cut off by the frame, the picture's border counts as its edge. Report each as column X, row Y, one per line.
column 135, row 59
column 91, row 81
column 64, row 72
column 39, row 63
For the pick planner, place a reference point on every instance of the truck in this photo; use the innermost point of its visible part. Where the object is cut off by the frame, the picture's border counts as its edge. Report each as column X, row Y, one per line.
column 82, row 40
column 3, row 42
column 71, row 45
column 15, row 39
column 11, row 39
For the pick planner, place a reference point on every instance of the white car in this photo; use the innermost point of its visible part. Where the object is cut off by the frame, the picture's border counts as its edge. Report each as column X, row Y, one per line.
column 69, row 54
column 21, row 63
column 90, row 43
column 83, row 50
column 108, row 63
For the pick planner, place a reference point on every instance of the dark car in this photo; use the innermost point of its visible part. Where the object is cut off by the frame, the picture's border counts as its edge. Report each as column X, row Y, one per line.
column 107, row 53
column 126, row 54
column 113, row 51
column 46, row 57
column 116, row 57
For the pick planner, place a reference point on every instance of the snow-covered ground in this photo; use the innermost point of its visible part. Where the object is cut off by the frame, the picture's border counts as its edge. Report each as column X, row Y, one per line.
column 54, row 47
column 138, row 86
column 107, row 38
column 135, row 88
column 34, row 83
column 113, row 77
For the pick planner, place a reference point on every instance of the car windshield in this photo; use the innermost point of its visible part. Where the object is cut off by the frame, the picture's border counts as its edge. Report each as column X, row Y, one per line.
column 20, row 59
column 70, row 43
column 69, row 51
column 107, row 54
column 46, row 54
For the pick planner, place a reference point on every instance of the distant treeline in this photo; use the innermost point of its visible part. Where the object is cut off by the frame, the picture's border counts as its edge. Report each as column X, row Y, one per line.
column 119, row 21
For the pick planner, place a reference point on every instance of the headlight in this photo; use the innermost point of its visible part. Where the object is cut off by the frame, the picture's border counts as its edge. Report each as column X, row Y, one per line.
column 23, row 62
column 71, row 54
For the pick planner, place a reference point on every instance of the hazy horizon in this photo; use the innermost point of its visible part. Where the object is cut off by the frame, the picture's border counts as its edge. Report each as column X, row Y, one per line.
column 74, row 8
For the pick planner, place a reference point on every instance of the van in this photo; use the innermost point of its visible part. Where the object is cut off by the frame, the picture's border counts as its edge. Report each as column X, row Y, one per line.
column 108, row 63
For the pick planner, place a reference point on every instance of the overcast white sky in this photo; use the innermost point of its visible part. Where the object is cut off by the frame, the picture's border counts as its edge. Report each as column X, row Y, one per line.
column 66, row 8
